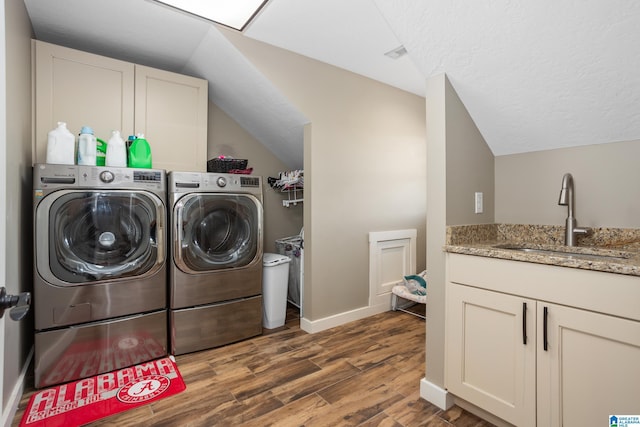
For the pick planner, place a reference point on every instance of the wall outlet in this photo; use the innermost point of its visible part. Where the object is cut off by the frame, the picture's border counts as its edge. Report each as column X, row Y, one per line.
column 479, row 209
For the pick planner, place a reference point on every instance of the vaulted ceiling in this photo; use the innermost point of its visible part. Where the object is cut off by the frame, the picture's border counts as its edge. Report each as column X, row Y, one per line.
column 534, row 75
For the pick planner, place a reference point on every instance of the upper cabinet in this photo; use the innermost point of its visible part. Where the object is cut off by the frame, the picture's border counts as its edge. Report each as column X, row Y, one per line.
column 80, row 89
column 83, row 89
column 171, row 110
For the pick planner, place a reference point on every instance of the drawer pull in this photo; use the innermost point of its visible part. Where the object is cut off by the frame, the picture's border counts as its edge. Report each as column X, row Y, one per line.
column 524, row 323
column 545, row 344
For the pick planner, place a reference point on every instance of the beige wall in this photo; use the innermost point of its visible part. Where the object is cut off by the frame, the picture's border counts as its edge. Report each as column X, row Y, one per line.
column 436, row 225
column 226, row 137
column 606, row 177
column 18, row 336
column 459, row 163
column 470, row 166
column 364, row 170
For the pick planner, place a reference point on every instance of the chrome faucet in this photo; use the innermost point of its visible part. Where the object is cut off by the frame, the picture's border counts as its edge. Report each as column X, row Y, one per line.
column 566, row 199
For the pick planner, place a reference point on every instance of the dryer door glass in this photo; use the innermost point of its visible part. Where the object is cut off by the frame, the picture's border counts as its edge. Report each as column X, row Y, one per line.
column 218, row 231
column 98, row 235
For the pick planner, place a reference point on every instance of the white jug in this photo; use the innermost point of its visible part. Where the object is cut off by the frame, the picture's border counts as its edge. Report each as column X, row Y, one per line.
column 87, row 146
column 116, row 151
column 61, row 146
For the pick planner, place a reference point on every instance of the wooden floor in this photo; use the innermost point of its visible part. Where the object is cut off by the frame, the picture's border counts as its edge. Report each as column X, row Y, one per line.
column 365, row 373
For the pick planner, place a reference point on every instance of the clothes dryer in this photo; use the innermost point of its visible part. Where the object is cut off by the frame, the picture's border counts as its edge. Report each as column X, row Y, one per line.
column 100, row 280
column 215, row 277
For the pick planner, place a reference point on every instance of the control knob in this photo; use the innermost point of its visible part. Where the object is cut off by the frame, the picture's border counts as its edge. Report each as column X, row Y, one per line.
column 106, row 177
column 221, row 181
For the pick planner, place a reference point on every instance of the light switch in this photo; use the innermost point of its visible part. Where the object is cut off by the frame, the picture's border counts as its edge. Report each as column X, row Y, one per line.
column 479, row 209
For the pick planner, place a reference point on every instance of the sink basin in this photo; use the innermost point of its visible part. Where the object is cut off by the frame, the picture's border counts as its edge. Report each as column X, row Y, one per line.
column 569, row 252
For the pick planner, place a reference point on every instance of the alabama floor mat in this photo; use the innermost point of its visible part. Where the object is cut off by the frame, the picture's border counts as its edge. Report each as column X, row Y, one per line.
column 83, row 401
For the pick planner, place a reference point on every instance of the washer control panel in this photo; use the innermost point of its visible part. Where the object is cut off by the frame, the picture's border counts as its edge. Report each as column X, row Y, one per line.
column 50, row 176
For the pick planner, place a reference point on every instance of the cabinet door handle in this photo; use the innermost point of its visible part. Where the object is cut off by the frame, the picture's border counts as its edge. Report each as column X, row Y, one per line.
column 524, row 323
column 544, row 328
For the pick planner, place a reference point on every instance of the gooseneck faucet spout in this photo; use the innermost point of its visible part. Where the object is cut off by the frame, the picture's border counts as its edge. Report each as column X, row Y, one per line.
column 566, row 199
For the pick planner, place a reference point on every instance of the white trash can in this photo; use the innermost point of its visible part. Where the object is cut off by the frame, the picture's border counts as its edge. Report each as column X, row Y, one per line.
column 275, row 280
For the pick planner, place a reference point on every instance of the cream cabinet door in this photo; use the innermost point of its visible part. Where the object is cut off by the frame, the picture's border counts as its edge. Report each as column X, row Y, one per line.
column 81, row 89
column 590, row 368
column 171, row 111
column 491, row 352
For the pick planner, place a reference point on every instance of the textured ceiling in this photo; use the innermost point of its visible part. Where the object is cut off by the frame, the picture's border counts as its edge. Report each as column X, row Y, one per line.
column 534, row 75
column 349, row 34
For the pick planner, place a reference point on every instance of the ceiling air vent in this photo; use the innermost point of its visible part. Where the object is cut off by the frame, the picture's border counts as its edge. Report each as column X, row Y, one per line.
column 397, row 52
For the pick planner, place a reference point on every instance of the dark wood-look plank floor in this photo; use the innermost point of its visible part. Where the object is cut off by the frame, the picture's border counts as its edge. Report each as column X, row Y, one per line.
column 365, row 373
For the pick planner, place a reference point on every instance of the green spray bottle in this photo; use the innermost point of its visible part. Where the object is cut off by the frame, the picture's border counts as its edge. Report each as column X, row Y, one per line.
column 139, row 153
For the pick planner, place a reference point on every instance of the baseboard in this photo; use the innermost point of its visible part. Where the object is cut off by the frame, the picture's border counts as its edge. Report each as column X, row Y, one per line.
column 16, row 394
column 313, row 326
column 435, row 394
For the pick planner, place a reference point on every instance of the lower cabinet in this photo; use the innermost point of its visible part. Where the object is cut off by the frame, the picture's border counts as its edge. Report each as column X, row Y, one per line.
column 491, row 352
column 590, row 368
column 536, row 362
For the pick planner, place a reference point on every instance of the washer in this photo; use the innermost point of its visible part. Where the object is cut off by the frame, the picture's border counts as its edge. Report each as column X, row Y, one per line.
column 100, row 270
column 215, row 277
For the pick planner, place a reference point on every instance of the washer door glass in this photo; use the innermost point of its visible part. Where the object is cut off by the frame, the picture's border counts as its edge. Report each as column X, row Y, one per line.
column 104, row 235
column 217, row 231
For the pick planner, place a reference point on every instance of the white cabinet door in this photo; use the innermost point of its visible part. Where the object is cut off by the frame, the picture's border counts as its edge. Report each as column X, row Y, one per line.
column 171, row 111
column 590, row 368
column 491, row 352
column 80, row 89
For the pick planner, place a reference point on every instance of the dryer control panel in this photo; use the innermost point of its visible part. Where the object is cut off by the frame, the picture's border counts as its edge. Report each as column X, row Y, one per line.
column 188, row 182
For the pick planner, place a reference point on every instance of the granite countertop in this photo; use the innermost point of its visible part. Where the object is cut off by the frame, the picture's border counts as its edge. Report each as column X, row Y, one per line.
column 612, row 250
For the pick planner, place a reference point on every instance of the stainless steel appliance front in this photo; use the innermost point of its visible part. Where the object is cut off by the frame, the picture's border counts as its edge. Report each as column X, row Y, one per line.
column 100, row 269
column 215, row 277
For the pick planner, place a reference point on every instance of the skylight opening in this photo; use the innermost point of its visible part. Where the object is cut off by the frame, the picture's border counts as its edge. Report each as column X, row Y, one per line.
column 236, row 14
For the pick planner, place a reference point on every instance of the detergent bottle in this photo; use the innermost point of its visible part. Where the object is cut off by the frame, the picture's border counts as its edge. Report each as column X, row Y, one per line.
column 61, row 146
column 87, row 147
column 101, row 152
column 140, row 153
column 116, row 151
